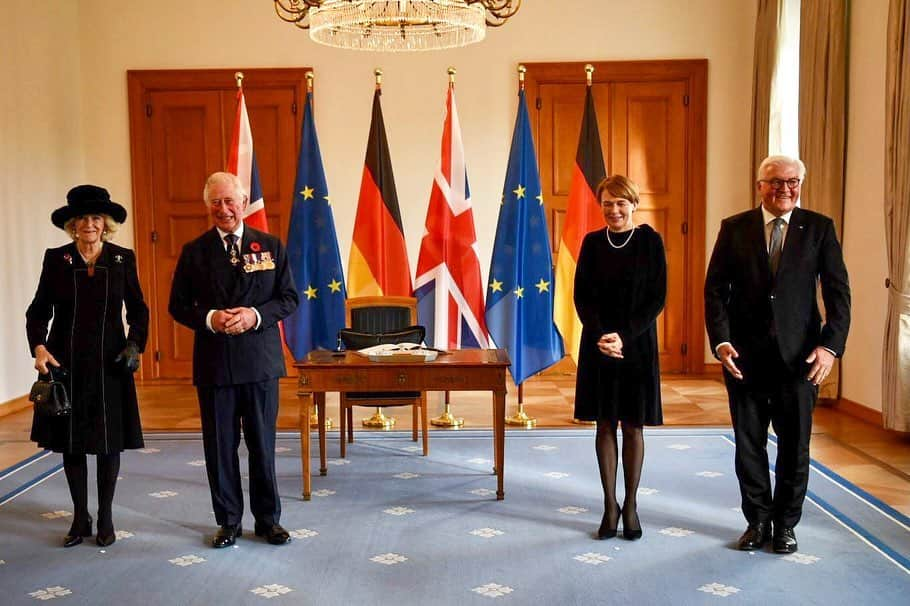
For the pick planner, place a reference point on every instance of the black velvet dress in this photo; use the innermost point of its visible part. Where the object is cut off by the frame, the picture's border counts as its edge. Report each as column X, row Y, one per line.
column 620, row 290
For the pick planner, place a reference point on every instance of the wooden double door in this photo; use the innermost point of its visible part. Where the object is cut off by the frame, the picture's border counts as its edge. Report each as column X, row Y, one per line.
column 651, row 117
column 181, row 123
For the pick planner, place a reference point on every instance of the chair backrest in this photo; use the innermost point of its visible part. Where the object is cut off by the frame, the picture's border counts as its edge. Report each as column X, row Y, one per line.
column 380, row 314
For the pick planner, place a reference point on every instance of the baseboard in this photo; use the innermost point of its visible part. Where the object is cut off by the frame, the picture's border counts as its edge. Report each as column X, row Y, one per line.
column 861, row 412
column 14, row 405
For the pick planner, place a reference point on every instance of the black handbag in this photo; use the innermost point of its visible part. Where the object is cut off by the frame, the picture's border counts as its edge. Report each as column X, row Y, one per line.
column 49, row 393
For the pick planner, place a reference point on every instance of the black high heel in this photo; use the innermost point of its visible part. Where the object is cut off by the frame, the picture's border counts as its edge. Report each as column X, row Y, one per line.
column 105, row 536
column 632, row 534
column 77, row 531
column 606, row 531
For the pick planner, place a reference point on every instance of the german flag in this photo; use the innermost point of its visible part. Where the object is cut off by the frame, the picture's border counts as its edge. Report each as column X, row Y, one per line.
column 583, row 215
column 378, row 263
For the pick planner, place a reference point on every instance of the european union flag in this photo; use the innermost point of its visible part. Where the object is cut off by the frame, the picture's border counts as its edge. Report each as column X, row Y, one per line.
column 519, row 308
column 313, row 252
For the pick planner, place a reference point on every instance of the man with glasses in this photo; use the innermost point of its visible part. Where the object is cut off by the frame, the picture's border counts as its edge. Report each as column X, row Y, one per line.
column 765, row 327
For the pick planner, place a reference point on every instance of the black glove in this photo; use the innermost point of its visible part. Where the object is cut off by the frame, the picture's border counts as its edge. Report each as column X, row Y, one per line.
column 128, row 359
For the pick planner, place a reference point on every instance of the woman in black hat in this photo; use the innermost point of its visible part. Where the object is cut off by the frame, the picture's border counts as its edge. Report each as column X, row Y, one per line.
column 84, row 286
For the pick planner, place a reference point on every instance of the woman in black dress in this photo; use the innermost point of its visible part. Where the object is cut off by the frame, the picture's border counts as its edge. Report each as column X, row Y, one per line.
column 84, row 287
column 620, row 288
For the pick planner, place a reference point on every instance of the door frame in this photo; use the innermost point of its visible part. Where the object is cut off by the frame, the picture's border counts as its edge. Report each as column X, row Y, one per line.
column 695, row 73
column 140, row 85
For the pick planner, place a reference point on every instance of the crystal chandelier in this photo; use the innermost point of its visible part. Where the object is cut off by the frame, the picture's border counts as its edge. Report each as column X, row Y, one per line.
column 396, row 25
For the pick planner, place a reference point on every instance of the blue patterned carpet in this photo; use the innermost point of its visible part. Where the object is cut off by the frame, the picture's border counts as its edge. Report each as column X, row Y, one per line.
column 388, row 526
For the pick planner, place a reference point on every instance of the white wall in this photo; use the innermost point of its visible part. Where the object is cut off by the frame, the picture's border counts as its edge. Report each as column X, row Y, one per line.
column 41, row 157
column 864, row 223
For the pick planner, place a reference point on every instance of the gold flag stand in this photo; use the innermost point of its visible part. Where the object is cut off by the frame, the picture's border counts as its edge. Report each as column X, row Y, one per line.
column 521, row 418
column 446, row 419
column 379, row 420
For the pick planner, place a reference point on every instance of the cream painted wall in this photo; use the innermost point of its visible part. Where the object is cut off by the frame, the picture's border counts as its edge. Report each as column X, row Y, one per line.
column 41, row 157
column 864, row 223
column 52, row 138
column 179, row 34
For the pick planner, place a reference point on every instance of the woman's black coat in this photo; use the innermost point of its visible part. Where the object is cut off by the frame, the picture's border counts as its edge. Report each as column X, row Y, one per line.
column 86, row 335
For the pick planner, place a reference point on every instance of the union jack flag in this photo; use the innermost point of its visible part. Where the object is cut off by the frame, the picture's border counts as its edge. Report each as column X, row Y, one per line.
column 448, row 287
column 242, row 162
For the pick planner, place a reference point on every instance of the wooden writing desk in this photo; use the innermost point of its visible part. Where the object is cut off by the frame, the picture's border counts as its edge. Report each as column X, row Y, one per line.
column 458, row 370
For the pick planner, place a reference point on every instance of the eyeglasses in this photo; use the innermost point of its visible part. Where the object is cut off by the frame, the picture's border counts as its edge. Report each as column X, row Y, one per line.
column 779, row 183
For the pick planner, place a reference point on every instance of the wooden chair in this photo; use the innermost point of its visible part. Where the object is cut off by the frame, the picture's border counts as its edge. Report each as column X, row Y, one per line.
column 382, row 315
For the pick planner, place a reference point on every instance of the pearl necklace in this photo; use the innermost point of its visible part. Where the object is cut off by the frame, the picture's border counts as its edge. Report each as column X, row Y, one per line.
column 631, row 231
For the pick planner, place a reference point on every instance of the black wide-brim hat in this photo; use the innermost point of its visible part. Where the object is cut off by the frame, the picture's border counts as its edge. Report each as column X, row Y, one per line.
column 88, row 200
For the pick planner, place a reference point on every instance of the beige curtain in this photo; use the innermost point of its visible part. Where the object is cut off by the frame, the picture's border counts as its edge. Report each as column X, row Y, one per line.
column 896, row 354
column 823, row 118
column 767, row 23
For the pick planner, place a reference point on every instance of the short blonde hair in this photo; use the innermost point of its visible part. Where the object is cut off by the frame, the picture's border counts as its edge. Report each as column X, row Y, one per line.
column 618, row 186
column 224, row 177
column 110, row 226
column 780, row 160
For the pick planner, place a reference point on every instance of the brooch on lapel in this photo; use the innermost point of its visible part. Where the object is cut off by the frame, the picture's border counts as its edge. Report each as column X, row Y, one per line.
column 118, row 258
column 68, row 258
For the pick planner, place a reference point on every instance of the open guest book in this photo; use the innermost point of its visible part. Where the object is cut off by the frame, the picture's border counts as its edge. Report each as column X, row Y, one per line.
column 398, row 352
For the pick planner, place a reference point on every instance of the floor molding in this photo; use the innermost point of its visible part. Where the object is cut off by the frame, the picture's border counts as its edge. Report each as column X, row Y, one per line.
column 859, row 411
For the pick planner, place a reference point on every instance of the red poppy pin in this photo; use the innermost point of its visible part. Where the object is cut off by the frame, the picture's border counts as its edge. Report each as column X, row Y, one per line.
column 255, row 247
column 68, row 258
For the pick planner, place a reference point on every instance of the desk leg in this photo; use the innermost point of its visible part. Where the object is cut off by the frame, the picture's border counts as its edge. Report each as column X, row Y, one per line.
column 320, row 410
column 306, row 402
column 499, row 439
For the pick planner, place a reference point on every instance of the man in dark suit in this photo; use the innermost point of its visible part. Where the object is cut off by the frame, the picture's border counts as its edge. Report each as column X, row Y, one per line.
column 231, row 286
column 765, row 327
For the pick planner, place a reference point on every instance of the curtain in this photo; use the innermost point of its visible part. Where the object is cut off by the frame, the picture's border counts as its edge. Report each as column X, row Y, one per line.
column 823, row 118
column 767, row 23
column 896, row 350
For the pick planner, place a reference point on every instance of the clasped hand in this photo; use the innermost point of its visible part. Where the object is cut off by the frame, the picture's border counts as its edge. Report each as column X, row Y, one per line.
column 234, row 320
column 610, row 345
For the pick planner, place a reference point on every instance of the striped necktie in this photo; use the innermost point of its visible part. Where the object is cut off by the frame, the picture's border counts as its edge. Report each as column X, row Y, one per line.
column 774, row 250
column 232, row 249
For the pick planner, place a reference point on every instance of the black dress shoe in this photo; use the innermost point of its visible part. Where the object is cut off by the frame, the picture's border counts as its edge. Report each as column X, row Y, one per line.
column 226, row 535
column 784, row 540
column 273, row 533
column 77, row 531
column 606, row 531
column 755, row 537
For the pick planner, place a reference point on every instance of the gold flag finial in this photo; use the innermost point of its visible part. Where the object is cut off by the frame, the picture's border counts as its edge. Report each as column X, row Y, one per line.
column 378, row 73
column 589, row 72
column 309, row 81
column 451, row 72
column 238, row 76
column 521, row 76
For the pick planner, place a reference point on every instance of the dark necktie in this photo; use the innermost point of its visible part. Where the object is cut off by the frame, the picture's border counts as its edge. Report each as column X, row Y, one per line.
column 774, row 250
column 232, row 249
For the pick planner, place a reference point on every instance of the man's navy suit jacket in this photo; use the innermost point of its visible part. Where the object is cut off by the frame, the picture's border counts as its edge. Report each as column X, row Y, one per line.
column 745, row 304
column 205, row 279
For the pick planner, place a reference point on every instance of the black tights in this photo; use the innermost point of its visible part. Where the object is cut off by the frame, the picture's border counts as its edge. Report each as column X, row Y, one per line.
column 76, row 468
column 633, row 455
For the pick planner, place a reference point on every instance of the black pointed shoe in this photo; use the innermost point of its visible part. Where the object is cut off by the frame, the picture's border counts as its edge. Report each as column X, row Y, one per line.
column 77, row 531
column 629, row 533
column 755, row 537
column 226, row 535
column 105, row 536
column 784, row 540
column 273, row 533
column 606, row 531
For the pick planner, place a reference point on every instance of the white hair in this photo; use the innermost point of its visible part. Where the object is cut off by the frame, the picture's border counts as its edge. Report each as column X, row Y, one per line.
column 781, row 160
column 223, row 177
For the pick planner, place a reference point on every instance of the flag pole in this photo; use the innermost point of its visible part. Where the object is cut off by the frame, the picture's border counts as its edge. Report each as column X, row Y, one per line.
column 314, row 416
column 521, row 418
column 589, row 76
column 447, row 419
column 379, row 420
